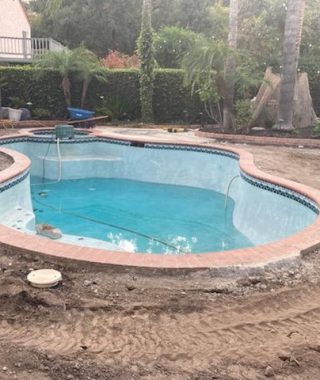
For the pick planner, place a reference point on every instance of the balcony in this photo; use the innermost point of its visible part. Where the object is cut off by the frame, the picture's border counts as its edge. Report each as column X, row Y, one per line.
column 24, row 50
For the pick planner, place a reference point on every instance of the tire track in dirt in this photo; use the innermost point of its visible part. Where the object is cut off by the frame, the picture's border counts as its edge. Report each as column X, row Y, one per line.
column 236, row 330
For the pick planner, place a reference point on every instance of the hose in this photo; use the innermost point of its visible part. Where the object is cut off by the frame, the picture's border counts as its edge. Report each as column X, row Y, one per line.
column 44, row 166
column 59, row 161
column 107, row 224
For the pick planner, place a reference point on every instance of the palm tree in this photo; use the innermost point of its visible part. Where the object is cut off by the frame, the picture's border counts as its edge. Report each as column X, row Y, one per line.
column 291, row 49
column 230, row 67
column 81, row 61
column 64, row 62
column 211, row 65
column 203, row 65
column 88, row 68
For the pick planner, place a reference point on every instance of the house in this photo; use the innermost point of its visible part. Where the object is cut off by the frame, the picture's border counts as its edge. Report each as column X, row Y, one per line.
column 16, row 42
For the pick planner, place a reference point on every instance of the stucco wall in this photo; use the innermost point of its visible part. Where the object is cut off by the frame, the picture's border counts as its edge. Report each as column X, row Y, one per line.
column 13, row 22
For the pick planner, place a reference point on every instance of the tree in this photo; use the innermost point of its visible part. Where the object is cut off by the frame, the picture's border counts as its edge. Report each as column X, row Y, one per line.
column 204, row 71
column 230, row 68
column 81, row 62
column 291, row 49
column 102, row 25
column 64, row 62
column 170, row 45
column 146, row 55
column 88, row 68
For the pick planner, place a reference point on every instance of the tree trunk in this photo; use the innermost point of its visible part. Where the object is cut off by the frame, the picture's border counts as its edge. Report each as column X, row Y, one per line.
column 230, row 68
column 85, row 85
column 291, row 49
column 66, row 85
column 146, row 54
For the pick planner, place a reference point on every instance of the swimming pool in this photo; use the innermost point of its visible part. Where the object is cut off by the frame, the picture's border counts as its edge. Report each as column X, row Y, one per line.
column 139, row 216
column 153, row 198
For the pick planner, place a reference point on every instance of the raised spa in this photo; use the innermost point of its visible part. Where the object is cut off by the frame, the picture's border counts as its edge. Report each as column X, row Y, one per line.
column 147, row 197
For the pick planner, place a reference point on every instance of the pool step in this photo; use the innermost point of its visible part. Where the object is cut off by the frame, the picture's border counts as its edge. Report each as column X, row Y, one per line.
column 19, row 218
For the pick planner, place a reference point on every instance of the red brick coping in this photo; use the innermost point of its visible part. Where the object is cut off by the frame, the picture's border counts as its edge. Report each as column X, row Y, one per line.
column 280, row 251
column 260, row 140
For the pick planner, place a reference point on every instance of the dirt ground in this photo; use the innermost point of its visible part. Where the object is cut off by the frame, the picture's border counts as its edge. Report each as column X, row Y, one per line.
column 5, row 161
column 109, row 323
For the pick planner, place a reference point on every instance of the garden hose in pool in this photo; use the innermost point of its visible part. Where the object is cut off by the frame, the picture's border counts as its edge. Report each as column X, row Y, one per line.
column 88, row 218
column 44, row 166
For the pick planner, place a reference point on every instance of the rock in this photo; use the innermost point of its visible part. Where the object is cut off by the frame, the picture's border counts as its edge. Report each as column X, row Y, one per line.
column 87, row 282
column 48, row 231
column 26, row 114
column 284, row 356
column 314, row 347
column 269, row 371
column 4, row 112
column 131, row 287
column 50, row 357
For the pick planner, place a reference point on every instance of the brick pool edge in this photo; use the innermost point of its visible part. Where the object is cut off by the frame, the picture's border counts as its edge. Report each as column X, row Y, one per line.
column 285, row 250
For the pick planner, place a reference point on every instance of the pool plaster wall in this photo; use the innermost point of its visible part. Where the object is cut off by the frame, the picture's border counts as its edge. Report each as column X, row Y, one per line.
column 261, row 215
column 169, row 159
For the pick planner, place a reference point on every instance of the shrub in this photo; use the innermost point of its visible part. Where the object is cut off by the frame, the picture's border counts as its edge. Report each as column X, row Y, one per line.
column 114, row 107
column 40, row 113
column 243, row 112
column 171, row 43
column 117, row 60
column 42, row 91
column 16, row 102
column 172, row 101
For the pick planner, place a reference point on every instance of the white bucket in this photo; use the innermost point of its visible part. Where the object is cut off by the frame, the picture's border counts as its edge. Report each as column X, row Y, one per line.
column 14, row 114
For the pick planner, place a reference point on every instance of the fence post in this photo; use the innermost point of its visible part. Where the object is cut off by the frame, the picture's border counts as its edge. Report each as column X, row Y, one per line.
column 24, row 44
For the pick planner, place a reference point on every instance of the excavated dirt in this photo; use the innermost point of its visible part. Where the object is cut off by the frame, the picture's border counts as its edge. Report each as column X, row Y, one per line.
column 5, row 161
column 109, row 323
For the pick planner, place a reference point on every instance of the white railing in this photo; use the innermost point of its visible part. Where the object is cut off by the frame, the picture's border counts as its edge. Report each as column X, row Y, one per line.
column 24, row 49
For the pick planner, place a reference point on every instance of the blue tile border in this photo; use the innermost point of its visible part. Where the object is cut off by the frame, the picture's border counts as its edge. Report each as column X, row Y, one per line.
column 192, row 148
column 13, row 181
column 300, row 198
column 277, row 189
column 35, row 139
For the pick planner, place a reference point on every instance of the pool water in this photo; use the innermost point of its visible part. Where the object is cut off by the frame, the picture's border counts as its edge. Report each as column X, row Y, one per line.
column 139, row 216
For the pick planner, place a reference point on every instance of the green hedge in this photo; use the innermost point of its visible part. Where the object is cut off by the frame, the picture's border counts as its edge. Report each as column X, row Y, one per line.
column 44, row 92
column 172, row 101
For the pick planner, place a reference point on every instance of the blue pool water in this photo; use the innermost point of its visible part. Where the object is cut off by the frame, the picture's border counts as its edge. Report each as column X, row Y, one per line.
column 139, row 216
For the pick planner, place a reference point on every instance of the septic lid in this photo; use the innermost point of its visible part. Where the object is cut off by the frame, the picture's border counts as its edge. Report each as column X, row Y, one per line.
column 44, row 278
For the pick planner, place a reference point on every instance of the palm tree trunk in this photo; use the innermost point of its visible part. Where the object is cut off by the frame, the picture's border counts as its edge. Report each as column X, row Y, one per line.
column 85, row 85
column 66, row 85
column 230, row 68
column 291, row 49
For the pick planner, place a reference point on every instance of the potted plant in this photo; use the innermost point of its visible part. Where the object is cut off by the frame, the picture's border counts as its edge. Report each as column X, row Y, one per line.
column 14, row 111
